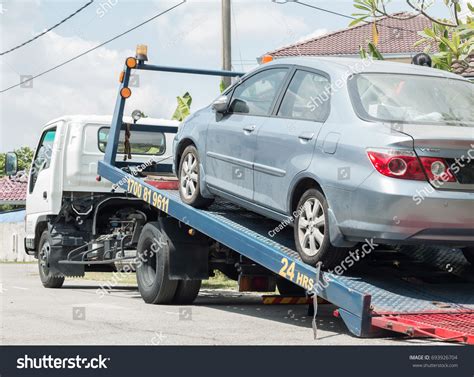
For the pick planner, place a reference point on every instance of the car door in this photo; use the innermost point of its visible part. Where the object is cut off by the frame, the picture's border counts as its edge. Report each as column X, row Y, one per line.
column 231, row 139
column 285, row 143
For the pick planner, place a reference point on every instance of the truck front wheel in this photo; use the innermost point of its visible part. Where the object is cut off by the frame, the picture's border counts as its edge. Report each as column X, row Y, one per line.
column 44, row 252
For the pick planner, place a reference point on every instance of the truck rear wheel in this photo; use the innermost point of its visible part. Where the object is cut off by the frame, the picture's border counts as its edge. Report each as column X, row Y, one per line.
column 44, row 252
column 152, row 266
column 186, row 292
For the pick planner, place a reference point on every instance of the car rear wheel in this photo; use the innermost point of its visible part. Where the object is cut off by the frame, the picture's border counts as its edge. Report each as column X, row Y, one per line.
column 189, row 179
column 311, row 231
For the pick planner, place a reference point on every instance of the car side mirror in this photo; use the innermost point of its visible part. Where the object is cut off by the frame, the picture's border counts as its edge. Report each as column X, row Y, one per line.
column 239, row 106
column 221, row 104
column 11, row 163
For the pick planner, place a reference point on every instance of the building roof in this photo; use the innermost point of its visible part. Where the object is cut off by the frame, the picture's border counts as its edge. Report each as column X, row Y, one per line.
column 343, row 67
column 13, row 189
column 465, row 67
column 396, row 37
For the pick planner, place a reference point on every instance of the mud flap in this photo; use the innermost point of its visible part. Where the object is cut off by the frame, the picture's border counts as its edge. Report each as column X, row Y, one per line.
column 189, row 250
column 60, row 247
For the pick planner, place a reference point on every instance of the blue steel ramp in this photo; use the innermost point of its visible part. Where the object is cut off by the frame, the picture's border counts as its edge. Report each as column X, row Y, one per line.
column 387, row 283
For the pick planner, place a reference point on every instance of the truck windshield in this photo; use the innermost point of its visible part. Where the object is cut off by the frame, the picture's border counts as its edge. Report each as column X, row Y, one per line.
column 413, row 99
column 147, row 143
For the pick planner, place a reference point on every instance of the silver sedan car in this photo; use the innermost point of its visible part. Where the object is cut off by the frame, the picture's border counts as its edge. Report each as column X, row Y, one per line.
column 343, row 150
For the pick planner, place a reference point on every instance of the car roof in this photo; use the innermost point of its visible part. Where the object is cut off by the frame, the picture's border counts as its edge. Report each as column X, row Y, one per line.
column 342, row 65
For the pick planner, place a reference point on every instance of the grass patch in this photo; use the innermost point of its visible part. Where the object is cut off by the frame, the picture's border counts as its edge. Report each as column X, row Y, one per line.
column 220, row 281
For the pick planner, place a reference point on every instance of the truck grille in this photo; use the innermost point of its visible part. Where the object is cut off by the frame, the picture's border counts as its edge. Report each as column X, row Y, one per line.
column 465, row 175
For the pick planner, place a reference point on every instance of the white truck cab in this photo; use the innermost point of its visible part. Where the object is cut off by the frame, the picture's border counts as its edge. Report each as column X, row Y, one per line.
column 63, row 181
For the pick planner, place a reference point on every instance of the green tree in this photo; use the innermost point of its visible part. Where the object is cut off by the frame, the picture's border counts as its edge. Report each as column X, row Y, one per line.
column 371, row 51
column 25, row 157
column 184, row 107
column 454, row 38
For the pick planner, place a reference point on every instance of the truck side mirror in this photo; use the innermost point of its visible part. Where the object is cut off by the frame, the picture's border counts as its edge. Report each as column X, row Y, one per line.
column 11, row 163
column 221, row 104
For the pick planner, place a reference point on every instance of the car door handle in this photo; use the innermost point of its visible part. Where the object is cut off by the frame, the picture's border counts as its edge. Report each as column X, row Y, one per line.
column 307, row 136
column 249, row 128
column 45, row 195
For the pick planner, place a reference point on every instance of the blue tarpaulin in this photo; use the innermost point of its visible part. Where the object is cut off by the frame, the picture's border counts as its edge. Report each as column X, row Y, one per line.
column 12, row 216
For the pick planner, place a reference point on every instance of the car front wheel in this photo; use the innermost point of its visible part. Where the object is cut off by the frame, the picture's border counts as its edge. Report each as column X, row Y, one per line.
column 311, row 231
column 189, row 179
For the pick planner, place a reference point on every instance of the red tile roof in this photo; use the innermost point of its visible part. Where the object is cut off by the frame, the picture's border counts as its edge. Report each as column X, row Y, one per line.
column 395, row 37
column 13, row 190
column 464, row 67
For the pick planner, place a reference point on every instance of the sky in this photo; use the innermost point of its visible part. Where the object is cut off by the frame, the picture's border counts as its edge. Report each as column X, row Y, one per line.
column 189, row 36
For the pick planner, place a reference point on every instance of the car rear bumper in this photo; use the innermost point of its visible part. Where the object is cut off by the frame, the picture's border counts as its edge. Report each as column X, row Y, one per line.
column 412, row 212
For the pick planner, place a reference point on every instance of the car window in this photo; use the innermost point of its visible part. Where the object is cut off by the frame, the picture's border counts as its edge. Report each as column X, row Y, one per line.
column 256, row 94
column 416, row 99
column 307, row 97
column 43, row 155
column 147, row 143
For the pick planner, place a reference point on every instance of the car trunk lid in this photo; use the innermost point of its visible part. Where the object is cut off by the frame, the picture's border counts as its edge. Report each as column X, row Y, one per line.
column 454, row 144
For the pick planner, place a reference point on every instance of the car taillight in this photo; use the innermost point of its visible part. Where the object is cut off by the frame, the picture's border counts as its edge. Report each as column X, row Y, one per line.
column 404, row 164
column 401, row 164
column 437, row 169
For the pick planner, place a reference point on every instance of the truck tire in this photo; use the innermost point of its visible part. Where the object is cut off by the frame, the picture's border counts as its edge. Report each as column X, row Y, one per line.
column 44, row 250
column 312, row 225
column 186, row 292
column 152, row 266
column 190, row 180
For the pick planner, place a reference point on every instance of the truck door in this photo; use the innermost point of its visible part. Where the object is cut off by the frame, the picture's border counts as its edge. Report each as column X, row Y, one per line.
column 42, row 197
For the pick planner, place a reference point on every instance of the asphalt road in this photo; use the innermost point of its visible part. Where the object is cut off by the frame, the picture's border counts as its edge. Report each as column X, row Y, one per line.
column 76, row 314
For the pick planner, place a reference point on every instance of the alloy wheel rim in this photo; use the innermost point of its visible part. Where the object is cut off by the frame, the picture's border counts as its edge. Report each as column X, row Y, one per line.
column 189, row 176
column 311, row 226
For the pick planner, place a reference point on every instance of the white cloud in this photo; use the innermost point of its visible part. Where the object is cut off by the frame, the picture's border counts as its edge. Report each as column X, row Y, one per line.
column 189, row 36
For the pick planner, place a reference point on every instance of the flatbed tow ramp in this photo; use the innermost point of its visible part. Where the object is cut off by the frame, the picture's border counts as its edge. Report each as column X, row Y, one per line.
column 420, row 294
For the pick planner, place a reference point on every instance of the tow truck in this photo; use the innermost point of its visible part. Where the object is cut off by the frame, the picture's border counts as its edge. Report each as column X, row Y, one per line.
column 419, row 293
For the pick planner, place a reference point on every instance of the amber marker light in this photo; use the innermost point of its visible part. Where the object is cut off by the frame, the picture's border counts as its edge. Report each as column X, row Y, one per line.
column 125, row 92
column 131, row 62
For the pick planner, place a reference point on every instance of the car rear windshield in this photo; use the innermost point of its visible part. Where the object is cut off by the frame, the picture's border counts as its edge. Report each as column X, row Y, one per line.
column 413, row 99
column 148, row 143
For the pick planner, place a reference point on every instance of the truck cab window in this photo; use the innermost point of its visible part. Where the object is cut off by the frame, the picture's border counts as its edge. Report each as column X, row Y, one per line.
column 43, row 155
column 141, row 143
